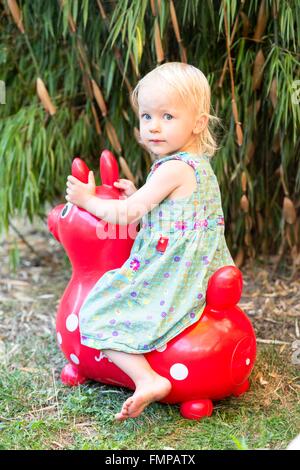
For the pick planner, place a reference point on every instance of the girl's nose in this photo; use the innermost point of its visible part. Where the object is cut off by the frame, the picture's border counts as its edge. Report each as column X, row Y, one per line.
column 154, row 126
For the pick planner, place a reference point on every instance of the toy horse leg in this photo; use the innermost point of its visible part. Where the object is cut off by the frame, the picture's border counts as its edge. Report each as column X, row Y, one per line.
column 241, row 389
column 196, row 409
column 71, row 376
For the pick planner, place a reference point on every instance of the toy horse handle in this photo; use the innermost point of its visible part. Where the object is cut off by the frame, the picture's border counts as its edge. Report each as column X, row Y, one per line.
column 109, row 171
column 80, row 170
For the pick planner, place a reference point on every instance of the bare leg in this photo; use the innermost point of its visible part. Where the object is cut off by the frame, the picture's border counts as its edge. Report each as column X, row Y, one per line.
column 150, row 386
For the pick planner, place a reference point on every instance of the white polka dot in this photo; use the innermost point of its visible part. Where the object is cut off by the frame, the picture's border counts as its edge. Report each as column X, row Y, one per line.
column 59, row 338
column 179, row 371
column 247, row 361
column 162, row 348
column 74, row 359
column 72, row 322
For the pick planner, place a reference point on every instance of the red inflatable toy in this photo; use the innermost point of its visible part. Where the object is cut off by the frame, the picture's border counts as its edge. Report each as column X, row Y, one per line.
column 210, row 360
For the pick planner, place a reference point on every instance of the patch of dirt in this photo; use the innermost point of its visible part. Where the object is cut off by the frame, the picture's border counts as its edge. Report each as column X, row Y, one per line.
column 29, row 298
column 272, row 301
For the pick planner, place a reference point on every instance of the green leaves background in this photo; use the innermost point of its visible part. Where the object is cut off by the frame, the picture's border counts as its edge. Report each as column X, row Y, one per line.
column 69, row 43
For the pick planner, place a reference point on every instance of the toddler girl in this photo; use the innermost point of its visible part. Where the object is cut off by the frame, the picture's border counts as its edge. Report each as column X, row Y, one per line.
column 160, row 290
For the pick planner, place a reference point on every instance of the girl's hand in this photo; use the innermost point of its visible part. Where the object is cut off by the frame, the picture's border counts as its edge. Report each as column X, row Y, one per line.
column 79, row 193
column 126, row 186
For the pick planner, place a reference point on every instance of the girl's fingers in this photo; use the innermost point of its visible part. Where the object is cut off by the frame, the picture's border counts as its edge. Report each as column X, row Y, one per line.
column 72, row 179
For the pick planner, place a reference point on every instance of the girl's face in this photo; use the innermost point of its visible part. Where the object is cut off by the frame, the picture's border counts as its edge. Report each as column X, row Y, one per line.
column 167, row 124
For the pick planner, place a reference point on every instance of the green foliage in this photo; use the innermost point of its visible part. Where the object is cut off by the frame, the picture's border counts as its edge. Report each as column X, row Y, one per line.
column 114, row 44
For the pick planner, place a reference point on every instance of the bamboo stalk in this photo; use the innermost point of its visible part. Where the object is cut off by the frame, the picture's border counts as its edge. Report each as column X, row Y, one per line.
column 244, row 182
column 239, row 259
column 225, row 66
column 153, row 7
column 96, row 119
column 289, row 211
column 224, row 70
column 244, row 203
column 174, row 21
column 44, row 97
column 258, row 69
column 273, row 93
column 134, row 65
column 87, row 85
column 99, row 98
column 82, row 55
column 158, row 44
column 126, row 170
column 250, row 150
column 177, row 32
column 262, row 20
column 112, row 136
column 260, row 222
column 102, row 11
column 285, row 189
column 71, row 21
column 246, row 23
column 238, row 128
column 16, row 14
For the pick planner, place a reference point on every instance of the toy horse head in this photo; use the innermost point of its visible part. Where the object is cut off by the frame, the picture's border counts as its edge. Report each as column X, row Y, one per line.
column 87, row 240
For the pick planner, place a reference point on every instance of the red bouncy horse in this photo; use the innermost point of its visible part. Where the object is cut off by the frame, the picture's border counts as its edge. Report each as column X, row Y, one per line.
column 210, row 360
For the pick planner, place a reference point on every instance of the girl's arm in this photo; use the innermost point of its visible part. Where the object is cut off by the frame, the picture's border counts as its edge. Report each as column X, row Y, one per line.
column 163, row 181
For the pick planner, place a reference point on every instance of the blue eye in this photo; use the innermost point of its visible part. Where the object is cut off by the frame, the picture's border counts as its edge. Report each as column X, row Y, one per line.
column 169, row 116
column 146, row 114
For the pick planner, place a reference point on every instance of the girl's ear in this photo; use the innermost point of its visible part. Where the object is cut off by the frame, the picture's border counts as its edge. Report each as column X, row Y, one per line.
column 201, row 124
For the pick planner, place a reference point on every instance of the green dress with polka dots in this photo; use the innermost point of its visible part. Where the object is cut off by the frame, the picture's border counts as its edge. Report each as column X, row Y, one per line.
column 160, row 290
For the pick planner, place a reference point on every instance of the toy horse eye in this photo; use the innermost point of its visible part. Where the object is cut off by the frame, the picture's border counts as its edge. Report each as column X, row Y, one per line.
column 66, row 210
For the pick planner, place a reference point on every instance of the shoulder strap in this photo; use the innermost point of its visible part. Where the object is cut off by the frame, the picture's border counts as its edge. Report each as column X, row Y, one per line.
column 183, row 156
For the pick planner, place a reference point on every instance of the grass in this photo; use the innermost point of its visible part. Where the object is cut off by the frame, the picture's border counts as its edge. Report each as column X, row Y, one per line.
column 38, row 412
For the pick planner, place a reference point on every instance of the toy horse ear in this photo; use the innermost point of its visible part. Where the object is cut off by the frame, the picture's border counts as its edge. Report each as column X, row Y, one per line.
column 80, row 170
column 109, row 171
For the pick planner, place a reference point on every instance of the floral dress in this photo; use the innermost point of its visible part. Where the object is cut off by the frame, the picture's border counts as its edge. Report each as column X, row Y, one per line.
column 160, row 290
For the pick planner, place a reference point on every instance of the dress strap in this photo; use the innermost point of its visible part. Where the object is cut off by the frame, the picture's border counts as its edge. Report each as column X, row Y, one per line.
column 183, row 156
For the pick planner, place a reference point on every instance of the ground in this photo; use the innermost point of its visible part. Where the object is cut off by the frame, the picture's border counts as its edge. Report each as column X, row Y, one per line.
column 38, row 412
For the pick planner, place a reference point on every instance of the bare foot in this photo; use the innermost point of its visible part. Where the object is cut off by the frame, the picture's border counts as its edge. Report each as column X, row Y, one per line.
column 152, row 388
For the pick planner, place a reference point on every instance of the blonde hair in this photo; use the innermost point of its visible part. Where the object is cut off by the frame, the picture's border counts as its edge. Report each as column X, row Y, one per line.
column 194, row 89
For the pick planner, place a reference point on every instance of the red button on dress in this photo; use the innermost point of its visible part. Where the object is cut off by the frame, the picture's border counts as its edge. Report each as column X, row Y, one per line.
column 162, row 244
